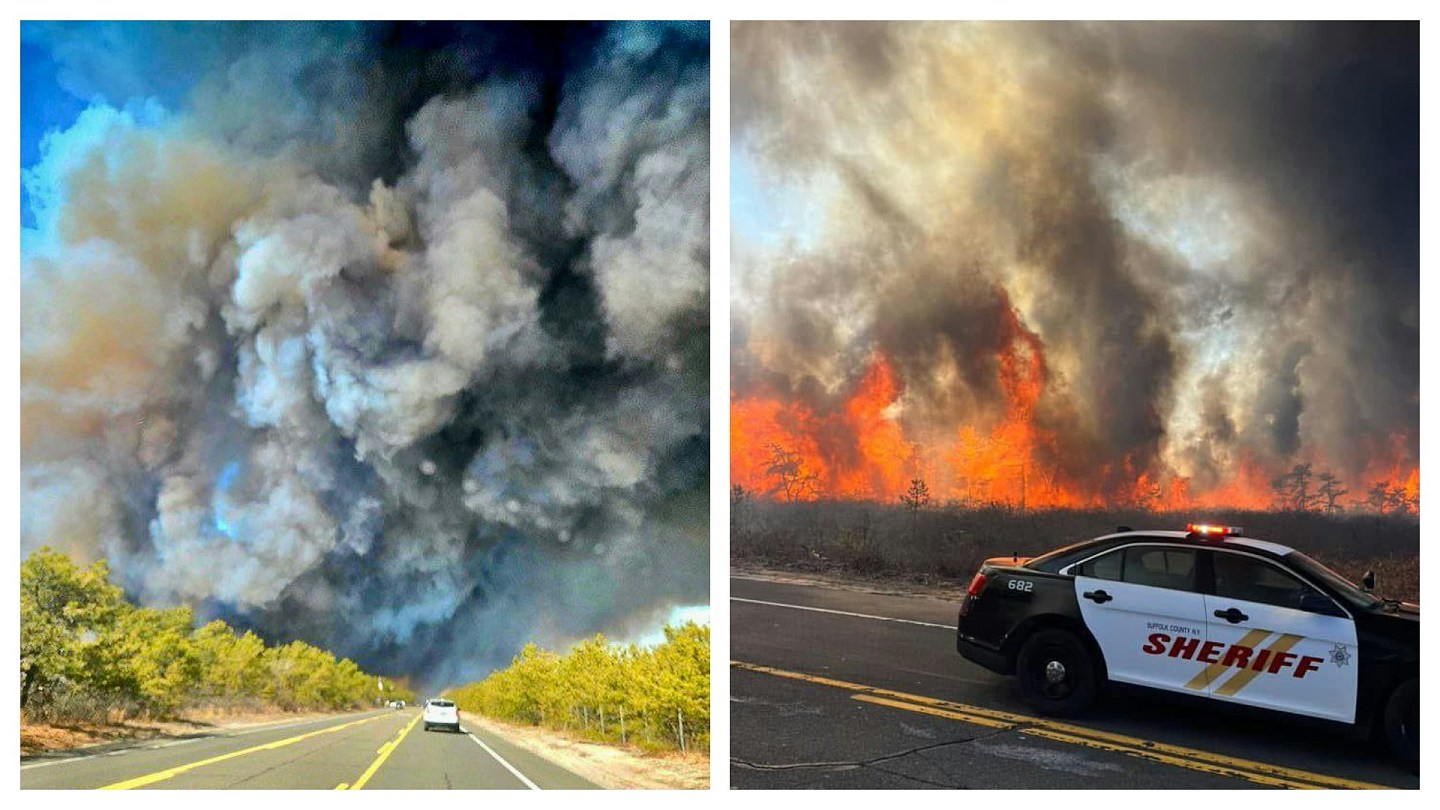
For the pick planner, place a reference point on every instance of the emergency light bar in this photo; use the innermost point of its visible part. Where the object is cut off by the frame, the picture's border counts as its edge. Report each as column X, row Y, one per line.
column 1213, row 532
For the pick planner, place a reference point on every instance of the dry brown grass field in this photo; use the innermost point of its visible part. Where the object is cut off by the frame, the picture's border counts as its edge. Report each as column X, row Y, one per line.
column 948, row 543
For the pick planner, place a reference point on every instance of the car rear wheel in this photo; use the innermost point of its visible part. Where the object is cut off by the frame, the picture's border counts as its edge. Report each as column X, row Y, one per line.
column 1402, row 722
column 1057, row 672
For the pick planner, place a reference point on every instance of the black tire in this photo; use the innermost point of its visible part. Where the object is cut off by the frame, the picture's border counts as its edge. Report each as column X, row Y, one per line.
column 1400, row 723
column 1058, row 673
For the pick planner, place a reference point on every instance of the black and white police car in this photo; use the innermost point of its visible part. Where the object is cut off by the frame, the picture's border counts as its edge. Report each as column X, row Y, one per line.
column 1205, row 612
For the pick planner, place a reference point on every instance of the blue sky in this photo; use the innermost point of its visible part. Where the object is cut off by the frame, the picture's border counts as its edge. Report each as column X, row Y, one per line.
column 44, row 106
column 770, row 210
column 750, row 211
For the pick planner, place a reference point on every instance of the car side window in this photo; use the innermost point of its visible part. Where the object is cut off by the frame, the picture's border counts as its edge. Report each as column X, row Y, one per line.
column 1106, row 566
column 1160, row 567
column 1238, row 576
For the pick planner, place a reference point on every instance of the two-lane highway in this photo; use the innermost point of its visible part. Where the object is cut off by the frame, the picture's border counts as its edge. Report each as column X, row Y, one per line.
column 367, row 751
column 843, row 688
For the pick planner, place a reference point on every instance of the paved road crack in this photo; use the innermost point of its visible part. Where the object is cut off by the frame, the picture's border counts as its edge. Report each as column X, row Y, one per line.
column 850, row 765
column 929, row 782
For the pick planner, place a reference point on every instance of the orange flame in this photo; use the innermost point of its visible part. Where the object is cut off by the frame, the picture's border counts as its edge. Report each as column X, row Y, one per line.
column 859, row 450
column 869, row 416
column 758, row 427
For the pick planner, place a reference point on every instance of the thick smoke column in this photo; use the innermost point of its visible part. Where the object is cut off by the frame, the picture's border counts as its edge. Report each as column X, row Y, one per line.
column 1077, row 263
column 391, row 338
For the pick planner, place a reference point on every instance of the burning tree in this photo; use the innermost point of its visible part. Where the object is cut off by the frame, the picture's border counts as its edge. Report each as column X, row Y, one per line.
column 1292, row 489
column 794, row 480
column 1329, row 492
column 1387, row 499
column 917, row 496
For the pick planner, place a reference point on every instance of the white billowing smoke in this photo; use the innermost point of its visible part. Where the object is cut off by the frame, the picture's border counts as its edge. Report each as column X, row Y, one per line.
column 641, row 160
column 401, row 414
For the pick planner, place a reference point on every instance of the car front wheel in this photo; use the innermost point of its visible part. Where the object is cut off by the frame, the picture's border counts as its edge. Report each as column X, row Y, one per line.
column 1402, row 722
column 1057, row 672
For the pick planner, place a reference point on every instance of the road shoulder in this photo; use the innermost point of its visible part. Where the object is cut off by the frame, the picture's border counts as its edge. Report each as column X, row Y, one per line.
column 610, row 767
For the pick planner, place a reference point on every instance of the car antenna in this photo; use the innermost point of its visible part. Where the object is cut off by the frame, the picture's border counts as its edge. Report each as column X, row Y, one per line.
column 1123, row 529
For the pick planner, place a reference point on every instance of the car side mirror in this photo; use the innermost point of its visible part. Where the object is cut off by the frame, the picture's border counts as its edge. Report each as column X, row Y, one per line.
column 1368, row 581
column 1321, row 604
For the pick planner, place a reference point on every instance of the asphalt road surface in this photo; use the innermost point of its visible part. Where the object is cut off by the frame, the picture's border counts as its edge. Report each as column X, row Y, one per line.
column 833, row 688
column 378, row 750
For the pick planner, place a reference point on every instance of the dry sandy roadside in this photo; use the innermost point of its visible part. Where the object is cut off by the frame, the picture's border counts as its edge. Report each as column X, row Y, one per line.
column 36, row 738
column 611, row 767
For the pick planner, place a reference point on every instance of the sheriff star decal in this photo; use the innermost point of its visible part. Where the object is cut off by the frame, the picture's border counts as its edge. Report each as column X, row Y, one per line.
column 1340, row 655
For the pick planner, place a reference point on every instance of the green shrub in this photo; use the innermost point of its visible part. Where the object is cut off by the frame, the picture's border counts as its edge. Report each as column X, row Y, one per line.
column 655, row 698
column 87, row 654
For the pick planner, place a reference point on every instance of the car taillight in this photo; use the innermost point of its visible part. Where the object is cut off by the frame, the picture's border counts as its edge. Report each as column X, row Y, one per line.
column 977, row 584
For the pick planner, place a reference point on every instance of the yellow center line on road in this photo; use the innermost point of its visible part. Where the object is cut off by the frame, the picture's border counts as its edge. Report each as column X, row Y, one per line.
column 973, row 719
column 1049, row 734
column 1179, row 756
column 170, row 773
column 1110, row 741
column 384, row 751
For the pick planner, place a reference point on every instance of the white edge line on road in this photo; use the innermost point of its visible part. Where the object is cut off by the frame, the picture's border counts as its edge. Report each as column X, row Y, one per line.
column 241, row 732
column 501, row 760
column 842, row 613
column 30, row 765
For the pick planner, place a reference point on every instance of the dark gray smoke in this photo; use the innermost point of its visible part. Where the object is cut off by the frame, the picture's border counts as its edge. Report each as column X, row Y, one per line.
column 387, row 337
column 1212, row 229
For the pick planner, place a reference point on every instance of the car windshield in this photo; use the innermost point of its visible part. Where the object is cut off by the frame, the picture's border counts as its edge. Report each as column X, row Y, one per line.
column 441, row 704
column 1339, row 584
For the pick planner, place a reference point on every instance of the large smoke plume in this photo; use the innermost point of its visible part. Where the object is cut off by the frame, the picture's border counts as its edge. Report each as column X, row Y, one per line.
column 1085, row 259
column 387, row 337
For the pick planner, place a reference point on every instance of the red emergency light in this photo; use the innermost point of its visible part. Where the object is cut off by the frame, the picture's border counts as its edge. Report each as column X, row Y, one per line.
column 1210, row 531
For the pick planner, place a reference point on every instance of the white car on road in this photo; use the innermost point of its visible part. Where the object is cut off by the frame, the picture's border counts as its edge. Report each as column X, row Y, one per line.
column 442, row 714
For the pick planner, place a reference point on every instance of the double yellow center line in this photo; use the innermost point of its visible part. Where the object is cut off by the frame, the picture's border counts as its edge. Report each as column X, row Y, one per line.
column 171, row 773
column 384, row 753
column 1178, row 756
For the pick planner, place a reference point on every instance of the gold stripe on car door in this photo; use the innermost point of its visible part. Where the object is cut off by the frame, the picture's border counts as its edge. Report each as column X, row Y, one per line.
column 1203, row 678
column 1243, row 678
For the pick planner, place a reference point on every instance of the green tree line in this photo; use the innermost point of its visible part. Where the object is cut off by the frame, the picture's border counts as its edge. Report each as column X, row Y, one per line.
column 655, row 698
column 87, row 654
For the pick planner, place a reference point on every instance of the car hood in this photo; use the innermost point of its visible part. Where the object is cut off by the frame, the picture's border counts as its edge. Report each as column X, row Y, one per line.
column 1407, row 610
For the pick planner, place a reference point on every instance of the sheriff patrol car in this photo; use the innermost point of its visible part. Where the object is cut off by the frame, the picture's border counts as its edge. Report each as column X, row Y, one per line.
column 1205, row 612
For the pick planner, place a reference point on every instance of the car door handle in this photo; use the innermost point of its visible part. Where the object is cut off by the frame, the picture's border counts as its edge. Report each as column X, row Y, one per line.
column 1098, row 597
column 1233, row 615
